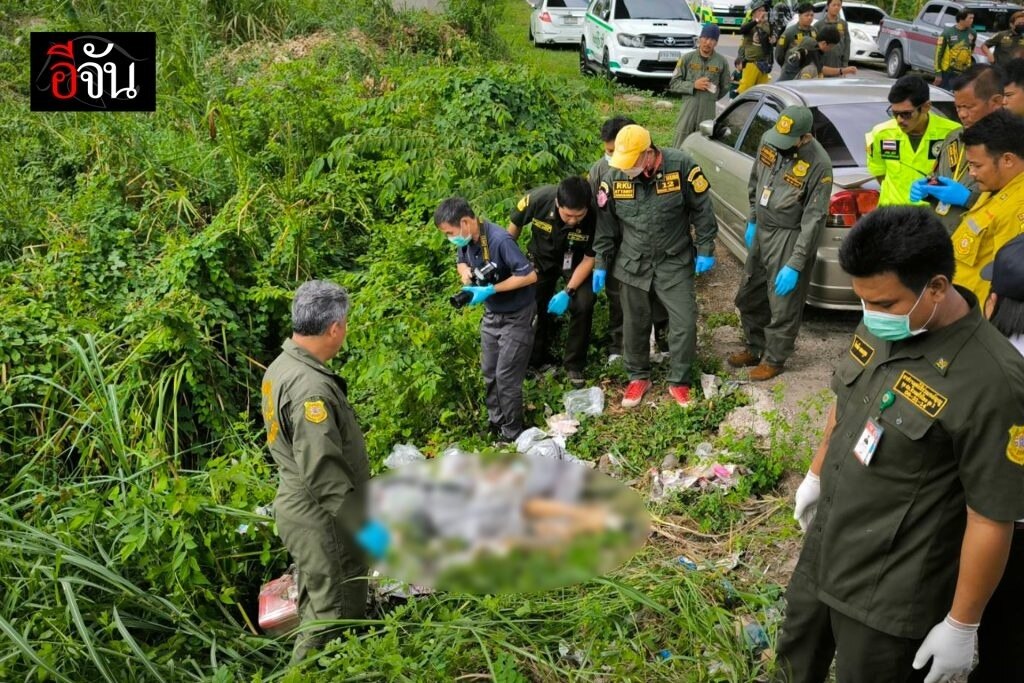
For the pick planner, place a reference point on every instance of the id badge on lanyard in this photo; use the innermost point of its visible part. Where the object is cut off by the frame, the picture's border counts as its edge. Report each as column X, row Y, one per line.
column 867, row 442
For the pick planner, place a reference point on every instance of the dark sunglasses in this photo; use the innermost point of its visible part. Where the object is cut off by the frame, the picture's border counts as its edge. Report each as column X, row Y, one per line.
column 905, row 115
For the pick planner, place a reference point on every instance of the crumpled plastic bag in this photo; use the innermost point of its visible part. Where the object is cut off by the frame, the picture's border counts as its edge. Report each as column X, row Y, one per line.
column 401, row 455
column 584, row 402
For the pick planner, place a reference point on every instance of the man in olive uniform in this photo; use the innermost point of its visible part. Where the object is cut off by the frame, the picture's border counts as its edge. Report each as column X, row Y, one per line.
column 839, row 56
column 905, row 148
column 995, row 157
column 910, row 499
column 561, row 245
column 807, row 58
column 955, row 52
column 795, row 33
column 756, row 47
column 321, row 460
column 653, row 197
column 702, row 78
column 1008, row 44
column 950, row 190
column 789, row 189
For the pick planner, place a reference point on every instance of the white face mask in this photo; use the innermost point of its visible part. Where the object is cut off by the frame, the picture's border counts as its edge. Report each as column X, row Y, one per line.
column 632, row 173
column 608, row 158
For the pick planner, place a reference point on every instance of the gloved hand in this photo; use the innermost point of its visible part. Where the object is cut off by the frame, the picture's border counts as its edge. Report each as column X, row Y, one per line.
column 374, row 538
column 950, row 646
column 750, row 234
column 559, row 302
column 480, row 294
column 807, row 500
column 950, row 191
column 704, row 264
column 598, row 280
column 919, row 189
column 785, row 281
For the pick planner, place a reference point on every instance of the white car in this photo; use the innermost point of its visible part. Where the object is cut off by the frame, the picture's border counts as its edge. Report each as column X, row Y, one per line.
column 636, row 38
column 864, row 21
column 555, row 22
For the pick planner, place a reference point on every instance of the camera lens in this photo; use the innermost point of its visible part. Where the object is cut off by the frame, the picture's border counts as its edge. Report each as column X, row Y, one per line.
column 461, row 299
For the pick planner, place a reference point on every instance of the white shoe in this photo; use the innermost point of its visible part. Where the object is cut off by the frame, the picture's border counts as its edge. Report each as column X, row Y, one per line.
column 614, row 358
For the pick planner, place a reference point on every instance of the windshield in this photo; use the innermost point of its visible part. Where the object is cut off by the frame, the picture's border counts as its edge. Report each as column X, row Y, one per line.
column 652, row 9
column 991, row 19
column 840, row 128
column 863, row 15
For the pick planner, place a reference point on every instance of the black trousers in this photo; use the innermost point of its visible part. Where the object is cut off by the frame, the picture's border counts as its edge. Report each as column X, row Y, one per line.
column 1001, row 635
column 813, row 634
column 581, row 318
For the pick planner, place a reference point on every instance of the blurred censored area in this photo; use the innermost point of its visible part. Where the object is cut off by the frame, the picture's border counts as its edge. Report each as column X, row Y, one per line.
column 501, row 523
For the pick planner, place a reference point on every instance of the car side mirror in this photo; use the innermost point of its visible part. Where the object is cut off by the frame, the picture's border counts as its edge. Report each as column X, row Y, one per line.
column 707, row 128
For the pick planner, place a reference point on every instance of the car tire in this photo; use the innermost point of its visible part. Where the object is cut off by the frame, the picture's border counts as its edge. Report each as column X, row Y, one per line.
column 530, row 36
column 584, row 64
column 895, row 66
column 606, row 66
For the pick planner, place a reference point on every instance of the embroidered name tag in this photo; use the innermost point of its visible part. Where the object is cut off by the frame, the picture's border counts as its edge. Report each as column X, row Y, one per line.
column 541, row 225
column 919, row 394
column 890, row 149
column 623, row 189
column 670, row 183
column 861, row 351
column 793, row 180
column 767, row 155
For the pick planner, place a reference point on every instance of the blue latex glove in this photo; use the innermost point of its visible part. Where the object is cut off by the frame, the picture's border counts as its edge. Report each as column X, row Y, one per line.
column 559, row 302
column 480, row 294
column 598, row 280
column 750, row 234
column 950, row 191
column 919, row 189
column 704, row 264
column 374, row 538
column 785, row 281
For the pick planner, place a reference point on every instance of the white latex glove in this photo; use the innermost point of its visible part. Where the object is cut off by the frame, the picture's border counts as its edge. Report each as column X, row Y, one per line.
column 807, row 500
column 950, row 646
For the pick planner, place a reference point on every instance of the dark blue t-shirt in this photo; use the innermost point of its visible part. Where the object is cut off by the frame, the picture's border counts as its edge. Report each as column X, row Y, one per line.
column 504, row 253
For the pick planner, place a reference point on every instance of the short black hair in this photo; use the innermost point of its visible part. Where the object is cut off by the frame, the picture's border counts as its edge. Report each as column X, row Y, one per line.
column 908, row 241
column 574, row 193
column 1000, row 132
column 911, row 88
column 611, row 127
column 1013, row 72
column 964, row 13
column 986, row 79
column 804, row 7
column 452, row 210
column 829, row 34
column 1008, row 316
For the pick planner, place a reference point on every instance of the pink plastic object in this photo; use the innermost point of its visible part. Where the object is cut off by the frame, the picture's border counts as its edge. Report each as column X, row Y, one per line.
column 279, row 605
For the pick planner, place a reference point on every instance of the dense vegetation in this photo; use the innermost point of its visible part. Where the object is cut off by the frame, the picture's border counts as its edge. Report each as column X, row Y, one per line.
column 146, row 263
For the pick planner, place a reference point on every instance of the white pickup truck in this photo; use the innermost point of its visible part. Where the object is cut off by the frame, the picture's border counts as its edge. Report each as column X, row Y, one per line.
column 912, row 44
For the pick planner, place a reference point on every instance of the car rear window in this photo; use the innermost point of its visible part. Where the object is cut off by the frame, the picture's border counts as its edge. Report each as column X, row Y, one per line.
column 862, row 15
column 652, row 9
column 567, row 4
column 840, row 128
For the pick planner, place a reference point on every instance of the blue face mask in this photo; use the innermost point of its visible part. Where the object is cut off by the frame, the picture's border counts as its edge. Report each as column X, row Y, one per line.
column 892, row 327
column 460, row 240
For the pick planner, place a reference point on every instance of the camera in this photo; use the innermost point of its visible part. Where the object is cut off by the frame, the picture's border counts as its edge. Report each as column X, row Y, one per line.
column 486, row 274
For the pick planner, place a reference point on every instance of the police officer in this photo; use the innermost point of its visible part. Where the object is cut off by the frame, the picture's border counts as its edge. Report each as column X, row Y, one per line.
column 839, row 56
column 910, row 500
column 795, row 33
column 653, row 197
column 807, row 58
column 955, row 52
column 755, row 47
column 561, row 245
column 789, row 189
column 951, row 190
column 1008, row 44
column 509, row 299
column 702, row 78
column 905, row 148
column 995, row 159
column 321, row 460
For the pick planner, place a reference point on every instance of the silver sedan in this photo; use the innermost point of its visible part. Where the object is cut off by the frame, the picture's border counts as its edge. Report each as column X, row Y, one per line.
column 557, row 22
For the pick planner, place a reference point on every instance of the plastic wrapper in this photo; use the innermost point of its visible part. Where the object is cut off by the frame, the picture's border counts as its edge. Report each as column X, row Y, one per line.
column 401, row 455
column 584, row 402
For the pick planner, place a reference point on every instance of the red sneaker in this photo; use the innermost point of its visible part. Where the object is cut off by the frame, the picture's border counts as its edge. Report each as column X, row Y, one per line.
column 635, row 392
column 681, row 393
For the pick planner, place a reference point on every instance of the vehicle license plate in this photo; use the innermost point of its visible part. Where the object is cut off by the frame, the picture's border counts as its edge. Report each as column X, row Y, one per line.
column 668, row 55
column 571, row 20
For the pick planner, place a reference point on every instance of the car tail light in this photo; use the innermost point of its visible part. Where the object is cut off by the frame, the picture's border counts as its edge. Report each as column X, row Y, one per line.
column 847, row 206
column 545, row 17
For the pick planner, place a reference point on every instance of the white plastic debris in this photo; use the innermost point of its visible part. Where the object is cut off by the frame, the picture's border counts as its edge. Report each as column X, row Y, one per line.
column 562, row 425
column 703, row 475
column 709, row 385
column 588, row 401
column 403, row 454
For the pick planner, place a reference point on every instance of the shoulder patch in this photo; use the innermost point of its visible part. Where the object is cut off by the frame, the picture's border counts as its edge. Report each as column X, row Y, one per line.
column 697, row 180
column 935, row 150
column 861, row 351
column 602, row 194
column 767, row 155
column 919, row 394
column 315, row 411
column 523, row 203
column 1015, row 446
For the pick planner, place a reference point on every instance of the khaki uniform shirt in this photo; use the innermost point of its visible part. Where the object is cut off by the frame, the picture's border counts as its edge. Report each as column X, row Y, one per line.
column 995, row 219
column 644, row 226
column 791, row 192
column 790, row 39
column 839, row 55
column 697, row 105
column 952, row 163
column 885, row 542
column 315, row 442
column 1006, row 44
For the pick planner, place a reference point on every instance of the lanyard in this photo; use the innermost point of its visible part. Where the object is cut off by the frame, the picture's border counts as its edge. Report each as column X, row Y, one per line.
column 888, row 398
column 483, row 245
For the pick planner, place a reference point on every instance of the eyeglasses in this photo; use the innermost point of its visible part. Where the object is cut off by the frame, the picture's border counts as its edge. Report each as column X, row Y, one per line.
column 904, row 115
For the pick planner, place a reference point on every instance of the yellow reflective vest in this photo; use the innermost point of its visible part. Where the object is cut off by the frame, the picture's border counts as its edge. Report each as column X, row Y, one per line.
column 994, row 220
column 890, row 154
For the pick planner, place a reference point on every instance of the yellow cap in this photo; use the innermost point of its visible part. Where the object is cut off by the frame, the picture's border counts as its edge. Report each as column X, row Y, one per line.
column 630, row 143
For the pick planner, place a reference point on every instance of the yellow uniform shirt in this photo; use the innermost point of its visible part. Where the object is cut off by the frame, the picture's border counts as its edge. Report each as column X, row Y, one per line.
column 890, row 154
column 993, row 221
